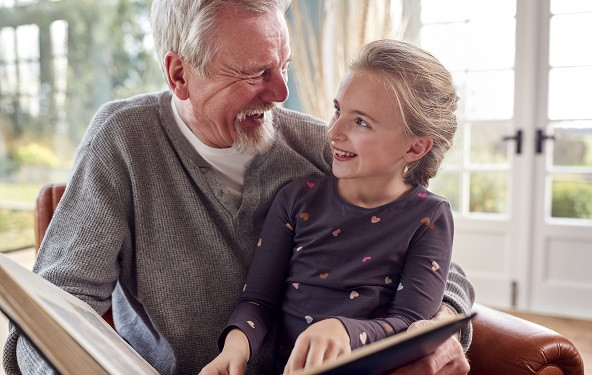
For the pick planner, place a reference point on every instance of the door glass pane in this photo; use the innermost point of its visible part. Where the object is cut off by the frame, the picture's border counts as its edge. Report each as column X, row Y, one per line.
column 564, row 48
column 491, row 50
column 444, row 11
column 458, row 10
column 489, row 95
column 454, row 156
column 453, row 54
column 487, row 144
column 569, row 93
column 570, row 6
column 488, row 192
column 447, row 185
column 488, row 9
column 571, row 196
column 572, row 146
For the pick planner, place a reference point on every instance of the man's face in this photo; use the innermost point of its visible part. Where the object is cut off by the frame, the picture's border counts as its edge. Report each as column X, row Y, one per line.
column 247, row 77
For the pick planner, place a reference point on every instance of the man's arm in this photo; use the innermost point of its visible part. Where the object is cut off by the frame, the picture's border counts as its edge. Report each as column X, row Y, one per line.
column 31, row 362
column 76, row 255
column 449, row 358
column 459, row 297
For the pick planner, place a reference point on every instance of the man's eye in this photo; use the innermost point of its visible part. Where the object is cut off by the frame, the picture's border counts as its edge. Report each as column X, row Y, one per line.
column 255, row 78
column 337, row 111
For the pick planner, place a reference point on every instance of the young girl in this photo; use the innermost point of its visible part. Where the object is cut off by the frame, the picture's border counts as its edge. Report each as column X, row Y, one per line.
column 353, row 258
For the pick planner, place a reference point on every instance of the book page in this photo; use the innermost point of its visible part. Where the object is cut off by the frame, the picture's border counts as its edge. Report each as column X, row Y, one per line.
column 78, row 319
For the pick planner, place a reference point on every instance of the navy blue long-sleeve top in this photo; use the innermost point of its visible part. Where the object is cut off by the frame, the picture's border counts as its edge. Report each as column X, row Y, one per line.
column 377, row 270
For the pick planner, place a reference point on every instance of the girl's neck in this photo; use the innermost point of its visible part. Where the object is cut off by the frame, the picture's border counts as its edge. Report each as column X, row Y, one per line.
column 371, row 193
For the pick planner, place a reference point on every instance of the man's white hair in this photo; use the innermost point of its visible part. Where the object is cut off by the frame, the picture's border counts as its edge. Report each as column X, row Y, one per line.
column 187, row 27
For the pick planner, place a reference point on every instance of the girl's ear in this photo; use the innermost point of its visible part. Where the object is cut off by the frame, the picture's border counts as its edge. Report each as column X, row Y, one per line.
column 175, row 71
column 418, row 149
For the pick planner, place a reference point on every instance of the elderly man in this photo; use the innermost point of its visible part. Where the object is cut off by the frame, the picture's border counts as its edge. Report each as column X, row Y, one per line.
column 169, row 191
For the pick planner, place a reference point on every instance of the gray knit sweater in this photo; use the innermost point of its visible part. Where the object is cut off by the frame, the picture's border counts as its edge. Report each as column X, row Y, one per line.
column 146, row 226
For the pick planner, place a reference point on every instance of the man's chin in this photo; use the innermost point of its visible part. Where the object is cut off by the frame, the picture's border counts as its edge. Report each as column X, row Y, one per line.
column 255, row 135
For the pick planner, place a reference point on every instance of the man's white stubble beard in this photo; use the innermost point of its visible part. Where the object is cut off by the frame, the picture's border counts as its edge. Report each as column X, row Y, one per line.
column 255, row 140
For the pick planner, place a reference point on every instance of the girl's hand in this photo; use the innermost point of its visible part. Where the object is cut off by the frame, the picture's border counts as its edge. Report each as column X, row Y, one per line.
column 233, row 358
column 324, row 340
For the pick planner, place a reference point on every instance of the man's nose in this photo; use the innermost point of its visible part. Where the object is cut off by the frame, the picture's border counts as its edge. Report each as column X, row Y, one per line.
column 275, row 87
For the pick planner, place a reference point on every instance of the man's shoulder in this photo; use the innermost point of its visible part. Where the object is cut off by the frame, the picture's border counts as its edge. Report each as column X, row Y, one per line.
column 131, row 107
column 288, row 117
column 298, row 128
column 130, row 116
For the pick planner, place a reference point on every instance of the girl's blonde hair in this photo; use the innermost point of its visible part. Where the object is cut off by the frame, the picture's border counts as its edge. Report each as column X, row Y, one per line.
column 423, row 94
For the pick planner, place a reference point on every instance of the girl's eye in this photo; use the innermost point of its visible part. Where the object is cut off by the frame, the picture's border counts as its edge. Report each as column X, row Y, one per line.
column 363, row 123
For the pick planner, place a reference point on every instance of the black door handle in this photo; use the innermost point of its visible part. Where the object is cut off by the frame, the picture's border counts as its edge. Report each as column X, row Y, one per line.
column 541, row 137
column 518, row 138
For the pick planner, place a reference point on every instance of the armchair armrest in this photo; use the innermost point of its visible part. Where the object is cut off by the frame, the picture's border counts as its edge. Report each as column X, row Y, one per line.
column 505, row 344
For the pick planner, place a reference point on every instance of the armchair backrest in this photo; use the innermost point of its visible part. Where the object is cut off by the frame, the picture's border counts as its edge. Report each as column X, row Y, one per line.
column 47, row 201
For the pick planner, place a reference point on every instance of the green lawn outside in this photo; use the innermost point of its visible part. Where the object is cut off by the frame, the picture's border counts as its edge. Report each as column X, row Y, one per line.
column 18, row 192
column 16, row 229
column 16, row 215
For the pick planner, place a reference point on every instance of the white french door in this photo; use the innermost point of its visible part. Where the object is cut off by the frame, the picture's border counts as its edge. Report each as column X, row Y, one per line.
column 520, row 174
column 562, row 240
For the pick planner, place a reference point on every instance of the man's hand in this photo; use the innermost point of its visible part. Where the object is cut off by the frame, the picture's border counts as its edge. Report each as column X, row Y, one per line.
column 234, row 357
column 323, row 340
column 448, row 359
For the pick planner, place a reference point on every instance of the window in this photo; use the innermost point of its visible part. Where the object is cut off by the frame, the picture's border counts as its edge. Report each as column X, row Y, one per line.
column 569, row 114
column 475, row 41
column 59, row 61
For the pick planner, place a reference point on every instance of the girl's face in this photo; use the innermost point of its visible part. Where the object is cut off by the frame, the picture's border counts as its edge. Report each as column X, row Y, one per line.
column 366, row 132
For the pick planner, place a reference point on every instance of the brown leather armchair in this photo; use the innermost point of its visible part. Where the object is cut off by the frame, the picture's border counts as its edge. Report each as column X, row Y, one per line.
column 502, row 343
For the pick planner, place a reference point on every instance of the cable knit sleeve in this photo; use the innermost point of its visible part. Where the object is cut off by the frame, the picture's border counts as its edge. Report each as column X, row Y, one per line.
column 460, row 295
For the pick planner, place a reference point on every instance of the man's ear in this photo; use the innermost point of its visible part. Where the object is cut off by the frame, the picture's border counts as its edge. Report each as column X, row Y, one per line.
column 176, row 71
column 418, row 149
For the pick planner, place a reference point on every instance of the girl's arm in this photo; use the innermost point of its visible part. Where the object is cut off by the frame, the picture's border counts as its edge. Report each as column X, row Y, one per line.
column 256, row 310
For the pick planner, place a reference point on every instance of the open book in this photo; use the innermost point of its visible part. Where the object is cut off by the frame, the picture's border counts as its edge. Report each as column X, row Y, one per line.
column 385, row 355
column 66, row 330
